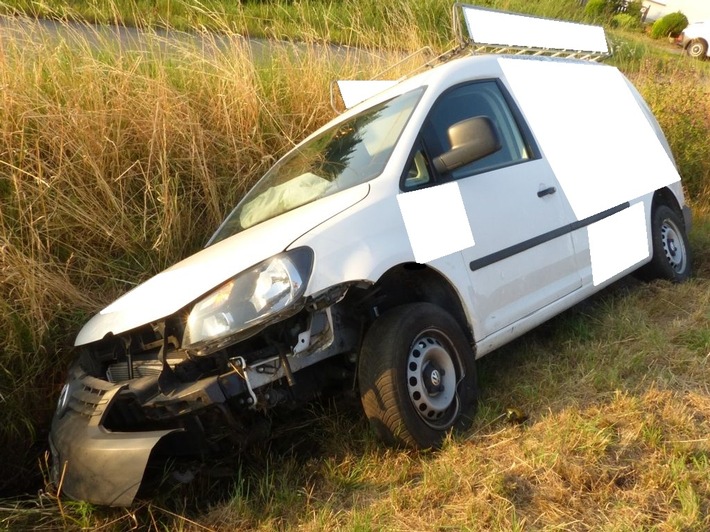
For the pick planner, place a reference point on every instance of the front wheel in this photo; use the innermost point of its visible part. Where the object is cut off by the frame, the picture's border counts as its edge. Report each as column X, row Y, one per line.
column 417, row 376
column 671, row 258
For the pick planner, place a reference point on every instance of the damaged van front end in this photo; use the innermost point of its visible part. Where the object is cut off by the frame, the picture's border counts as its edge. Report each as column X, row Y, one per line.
column 189, row 362
column 195, row 383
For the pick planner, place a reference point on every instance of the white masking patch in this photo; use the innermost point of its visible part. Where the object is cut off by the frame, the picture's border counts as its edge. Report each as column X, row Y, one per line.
column 436, row 221
column 618, row 242
column 506, row 29
column 355, row 91
column 592, row 131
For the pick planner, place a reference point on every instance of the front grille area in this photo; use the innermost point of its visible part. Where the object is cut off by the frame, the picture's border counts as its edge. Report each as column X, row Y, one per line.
column 126, row 415
column 87, row 398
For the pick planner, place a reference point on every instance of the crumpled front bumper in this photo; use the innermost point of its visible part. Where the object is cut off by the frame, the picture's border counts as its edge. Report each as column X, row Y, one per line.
column 89, row 462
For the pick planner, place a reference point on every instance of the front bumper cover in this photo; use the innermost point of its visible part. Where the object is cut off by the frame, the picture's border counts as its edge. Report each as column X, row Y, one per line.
column 91, row 463
column 97, row 459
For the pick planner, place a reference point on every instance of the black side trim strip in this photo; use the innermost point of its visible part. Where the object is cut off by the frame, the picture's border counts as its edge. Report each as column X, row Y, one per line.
column 545, row 237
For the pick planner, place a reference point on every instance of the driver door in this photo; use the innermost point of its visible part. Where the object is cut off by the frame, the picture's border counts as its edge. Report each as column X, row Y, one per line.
column 522, row 258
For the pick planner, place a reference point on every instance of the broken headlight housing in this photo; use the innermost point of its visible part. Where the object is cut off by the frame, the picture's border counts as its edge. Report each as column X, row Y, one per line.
column 254, row 297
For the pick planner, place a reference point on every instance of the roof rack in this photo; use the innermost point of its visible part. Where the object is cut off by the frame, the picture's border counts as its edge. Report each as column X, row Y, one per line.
column 492, row 31
column 488, row 31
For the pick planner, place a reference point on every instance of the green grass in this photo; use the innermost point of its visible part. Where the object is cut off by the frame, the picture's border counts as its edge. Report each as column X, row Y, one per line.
column 364, row 22
column 617, row 439
column 116, row 164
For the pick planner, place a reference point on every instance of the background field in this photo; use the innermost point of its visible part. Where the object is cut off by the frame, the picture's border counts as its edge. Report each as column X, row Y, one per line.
column 115, row 163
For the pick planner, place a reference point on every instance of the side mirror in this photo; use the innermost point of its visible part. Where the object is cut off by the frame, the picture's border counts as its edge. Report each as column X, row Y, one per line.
column 471, row 139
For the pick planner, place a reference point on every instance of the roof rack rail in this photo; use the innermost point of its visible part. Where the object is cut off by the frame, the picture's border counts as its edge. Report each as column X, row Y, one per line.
column 492, row 31
column 481, row 30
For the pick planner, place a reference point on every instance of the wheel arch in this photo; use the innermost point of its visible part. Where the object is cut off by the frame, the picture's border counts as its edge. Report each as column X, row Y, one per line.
column 411, row 282
column 665, row 196
column 676, row 201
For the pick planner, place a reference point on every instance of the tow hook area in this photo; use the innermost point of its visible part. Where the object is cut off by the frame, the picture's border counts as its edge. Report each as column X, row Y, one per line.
column 240, row 367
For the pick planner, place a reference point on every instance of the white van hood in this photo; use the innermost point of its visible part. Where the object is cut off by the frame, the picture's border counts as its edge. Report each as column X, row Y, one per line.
column 188, row 280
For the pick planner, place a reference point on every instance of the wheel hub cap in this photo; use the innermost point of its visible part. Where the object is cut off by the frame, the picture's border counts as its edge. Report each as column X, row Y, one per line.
column 673, row 246
column 435, row 378
column 431, row 381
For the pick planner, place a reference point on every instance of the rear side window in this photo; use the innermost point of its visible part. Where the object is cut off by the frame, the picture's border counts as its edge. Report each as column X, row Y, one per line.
column 467, row 101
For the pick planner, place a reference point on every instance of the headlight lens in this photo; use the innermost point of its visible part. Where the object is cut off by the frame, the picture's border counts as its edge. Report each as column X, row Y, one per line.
column 251, row 298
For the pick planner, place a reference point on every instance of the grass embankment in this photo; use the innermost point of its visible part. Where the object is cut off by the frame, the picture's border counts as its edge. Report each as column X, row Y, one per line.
column 115, row 164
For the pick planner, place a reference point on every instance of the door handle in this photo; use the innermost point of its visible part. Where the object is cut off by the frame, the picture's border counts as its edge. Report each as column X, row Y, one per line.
column 546, row 192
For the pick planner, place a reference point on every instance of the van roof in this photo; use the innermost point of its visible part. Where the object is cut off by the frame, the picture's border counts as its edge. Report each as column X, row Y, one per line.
column 487, row 35
column 485, row 66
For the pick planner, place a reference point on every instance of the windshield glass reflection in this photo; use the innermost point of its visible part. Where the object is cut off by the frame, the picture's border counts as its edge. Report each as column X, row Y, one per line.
column 350, row 153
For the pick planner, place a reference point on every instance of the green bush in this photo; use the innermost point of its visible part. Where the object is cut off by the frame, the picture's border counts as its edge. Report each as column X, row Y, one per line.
column 596, row 9
column 633, row 9
column 669, row 26
column 608, row 10
column 626, row 21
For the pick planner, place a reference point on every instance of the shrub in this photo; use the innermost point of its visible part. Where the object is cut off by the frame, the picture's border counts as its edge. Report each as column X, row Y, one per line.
column 670, row 25
column 604, row 10
column 634, row 9
column 625, row 21
column 596, row 9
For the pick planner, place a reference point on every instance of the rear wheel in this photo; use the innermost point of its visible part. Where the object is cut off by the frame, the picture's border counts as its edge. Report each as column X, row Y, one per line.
column 417, row 376
column 671, row 258
column 697, row 49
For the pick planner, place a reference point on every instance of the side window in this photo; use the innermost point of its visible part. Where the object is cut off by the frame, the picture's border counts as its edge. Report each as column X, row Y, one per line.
column 418, row 173
column 467, row 101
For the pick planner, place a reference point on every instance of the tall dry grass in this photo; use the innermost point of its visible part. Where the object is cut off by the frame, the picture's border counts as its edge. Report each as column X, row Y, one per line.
column 678, row 92
column 118, row 159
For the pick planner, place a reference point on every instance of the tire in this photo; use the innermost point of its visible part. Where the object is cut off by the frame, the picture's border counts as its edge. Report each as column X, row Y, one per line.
column 671, row 259
column 697, row 48
column 417, row 376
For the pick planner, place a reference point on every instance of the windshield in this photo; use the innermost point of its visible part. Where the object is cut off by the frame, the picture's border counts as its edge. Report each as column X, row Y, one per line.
column 347, row 154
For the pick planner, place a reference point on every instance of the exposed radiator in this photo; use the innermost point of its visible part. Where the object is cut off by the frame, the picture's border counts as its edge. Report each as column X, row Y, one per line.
column 118, row 372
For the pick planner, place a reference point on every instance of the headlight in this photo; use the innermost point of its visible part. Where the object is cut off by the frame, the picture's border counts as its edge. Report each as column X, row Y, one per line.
column 251, row 298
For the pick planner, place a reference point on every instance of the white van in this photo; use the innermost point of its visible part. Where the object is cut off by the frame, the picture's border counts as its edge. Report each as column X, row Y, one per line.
column 694, row 40
column 425, row 227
